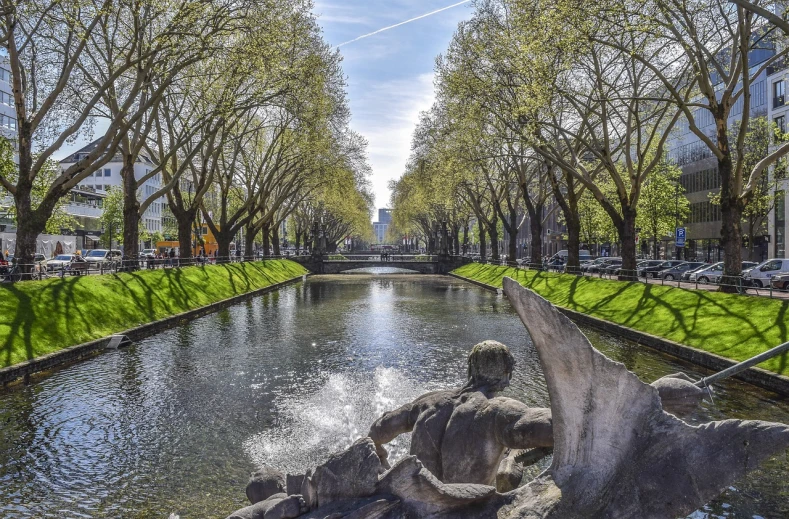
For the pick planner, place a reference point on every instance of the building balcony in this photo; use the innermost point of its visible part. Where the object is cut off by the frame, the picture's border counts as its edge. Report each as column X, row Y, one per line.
column 81, row 209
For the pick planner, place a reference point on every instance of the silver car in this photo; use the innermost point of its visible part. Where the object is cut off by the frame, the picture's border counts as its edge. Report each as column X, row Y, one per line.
column 711, row 274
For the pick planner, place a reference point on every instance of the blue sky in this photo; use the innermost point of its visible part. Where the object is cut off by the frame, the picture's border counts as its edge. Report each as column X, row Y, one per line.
column 390, row 74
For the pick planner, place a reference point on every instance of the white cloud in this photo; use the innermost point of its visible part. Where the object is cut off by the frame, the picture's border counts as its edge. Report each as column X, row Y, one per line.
column 386, row 113
column 421, row 16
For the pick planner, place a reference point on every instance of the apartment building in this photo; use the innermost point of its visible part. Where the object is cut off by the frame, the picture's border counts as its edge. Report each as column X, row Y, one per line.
column 87, row 197
column 700, row 178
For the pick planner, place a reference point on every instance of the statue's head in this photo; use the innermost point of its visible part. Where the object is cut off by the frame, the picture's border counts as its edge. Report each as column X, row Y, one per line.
column 490, row 364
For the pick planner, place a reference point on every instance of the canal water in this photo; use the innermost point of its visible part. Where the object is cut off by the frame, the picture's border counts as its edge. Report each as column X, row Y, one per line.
column 176, row 423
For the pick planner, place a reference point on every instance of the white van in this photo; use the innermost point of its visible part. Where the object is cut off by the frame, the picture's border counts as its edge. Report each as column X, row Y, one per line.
column 759, row 276
column 583, row 255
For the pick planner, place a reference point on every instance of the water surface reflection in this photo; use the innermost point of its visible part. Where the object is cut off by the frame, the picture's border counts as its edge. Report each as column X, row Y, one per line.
column 176, row 423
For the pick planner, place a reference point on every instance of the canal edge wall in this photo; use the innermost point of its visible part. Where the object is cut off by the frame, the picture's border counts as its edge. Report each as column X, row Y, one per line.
column 38, row 366
column 756, row 376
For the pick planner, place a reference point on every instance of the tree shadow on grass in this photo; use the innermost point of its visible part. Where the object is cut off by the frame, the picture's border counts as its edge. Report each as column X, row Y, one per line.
column 37, row 324
column 21, row 325
column 683, row 315
column 151, row 295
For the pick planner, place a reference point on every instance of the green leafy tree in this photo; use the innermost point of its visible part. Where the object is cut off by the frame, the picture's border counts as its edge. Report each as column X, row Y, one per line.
column 662, row 204
column 59, row 218
column 112, row 217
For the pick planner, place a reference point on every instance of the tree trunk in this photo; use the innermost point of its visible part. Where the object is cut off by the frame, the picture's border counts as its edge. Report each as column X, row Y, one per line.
column 275, row 240
column 29, row 226
column 185, row 237
column 27, row 232
column 249, row 242
column 131, row 212
column 483, row 246
column 30, row 223
column 266, row 239
column 568, row 202
column 573, row 245
column 223, row 242
column 465, row 238
column 493, row 232
column 627, row 237
column 298, row 242
column 512, row 252
column 535, row 227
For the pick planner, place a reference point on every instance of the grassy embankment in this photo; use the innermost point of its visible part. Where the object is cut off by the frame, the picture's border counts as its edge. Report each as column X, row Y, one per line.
column 733, row 326
column 40, row 317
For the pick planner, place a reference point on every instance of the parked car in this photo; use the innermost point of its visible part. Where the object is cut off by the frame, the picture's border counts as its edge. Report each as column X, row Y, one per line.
column 594, row 263
column 555, row 263
column 583, row 255
column 103, row 258
column 715, row 276
column 676, row 272
column 643, row 265
column 708, row 274
column 70, row 263
column 605, row 263
column 686, row 275
column 759, row 276
column 653, row 271
column 148, row 254
column 780, row 281
column 614, row 267
column 747, row 266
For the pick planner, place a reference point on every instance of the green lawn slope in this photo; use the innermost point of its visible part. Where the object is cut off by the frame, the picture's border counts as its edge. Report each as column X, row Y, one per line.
column 733, row 326
column 40, row 317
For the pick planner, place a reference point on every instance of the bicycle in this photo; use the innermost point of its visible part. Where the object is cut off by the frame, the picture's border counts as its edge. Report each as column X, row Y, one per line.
column 12, row 274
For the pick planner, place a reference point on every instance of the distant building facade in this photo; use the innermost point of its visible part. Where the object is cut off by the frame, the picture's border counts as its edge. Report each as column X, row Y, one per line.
column 86, row 200
column 382, row 225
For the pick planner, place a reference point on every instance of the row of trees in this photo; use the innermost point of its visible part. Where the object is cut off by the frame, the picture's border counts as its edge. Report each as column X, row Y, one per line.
column 239, row 104
column 544, row 103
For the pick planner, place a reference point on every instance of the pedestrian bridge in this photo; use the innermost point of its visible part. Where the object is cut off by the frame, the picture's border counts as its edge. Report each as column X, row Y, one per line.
column 338, row 263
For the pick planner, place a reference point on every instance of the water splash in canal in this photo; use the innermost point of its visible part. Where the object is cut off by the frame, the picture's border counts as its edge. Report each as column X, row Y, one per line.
column 313, row 424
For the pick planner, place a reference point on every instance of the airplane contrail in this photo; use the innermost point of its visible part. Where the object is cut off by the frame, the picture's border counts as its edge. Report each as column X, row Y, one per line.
column 403, row 23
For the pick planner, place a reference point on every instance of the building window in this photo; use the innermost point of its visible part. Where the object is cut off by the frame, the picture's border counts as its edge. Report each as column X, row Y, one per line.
column 5, row 74
column 6, row 98
column 107, row 172
column 779, row 90
column 98, row 173
column 780, row 128
column 780, row 224
column 8, row 122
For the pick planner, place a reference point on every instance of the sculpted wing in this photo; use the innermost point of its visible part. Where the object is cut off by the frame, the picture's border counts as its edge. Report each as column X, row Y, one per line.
column 616, row 452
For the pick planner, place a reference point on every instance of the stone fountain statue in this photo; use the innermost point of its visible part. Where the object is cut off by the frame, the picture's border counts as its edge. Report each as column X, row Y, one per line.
column 617, row 453
column 447, row 425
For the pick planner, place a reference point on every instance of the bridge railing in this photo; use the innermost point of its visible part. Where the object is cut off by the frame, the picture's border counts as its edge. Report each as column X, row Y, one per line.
column 378, row 258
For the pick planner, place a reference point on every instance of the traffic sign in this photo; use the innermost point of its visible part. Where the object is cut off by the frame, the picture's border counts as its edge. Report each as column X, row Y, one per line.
column 680, row 236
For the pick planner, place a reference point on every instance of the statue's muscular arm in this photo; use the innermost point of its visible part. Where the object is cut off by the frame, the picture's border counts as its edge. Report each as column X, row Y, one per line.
column 518, row 426
column 397, row 422
column 390, row 426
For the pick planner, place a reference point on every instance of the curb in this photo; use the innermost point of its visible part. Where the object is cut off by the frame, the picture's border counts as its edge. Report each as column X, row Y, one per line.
column 756, row 376
column 24, row 370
